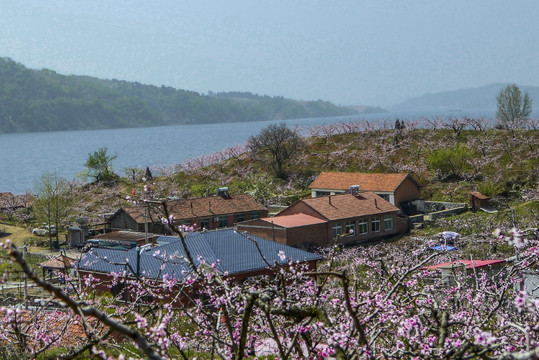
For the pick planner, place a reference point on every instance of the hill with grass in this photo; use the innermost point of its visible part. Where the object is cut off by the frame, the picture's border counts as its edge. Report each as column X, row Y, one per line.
column 448, row 164
column 43, row 100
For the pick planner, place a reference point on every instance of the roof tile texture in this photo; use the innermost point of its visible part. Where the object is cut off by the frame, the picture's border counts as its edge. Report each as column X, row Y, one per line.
column 203, row 207
column 366, row 181
column 344, row 206
column 479, row 195
column 296, row 220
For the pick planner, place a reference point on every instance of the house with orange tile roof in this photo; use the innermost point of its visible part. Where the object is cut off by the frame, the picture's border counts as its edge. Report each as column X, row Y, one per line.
column 393, row 187
column 448, row 271
column 205, row 213
column 322, row 220
column 8, row 201
column 297, row 230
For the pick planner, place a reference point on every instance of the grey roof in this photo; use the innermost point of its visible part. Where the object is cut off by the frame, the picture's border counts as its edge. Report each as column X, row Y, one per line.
column 233, row 253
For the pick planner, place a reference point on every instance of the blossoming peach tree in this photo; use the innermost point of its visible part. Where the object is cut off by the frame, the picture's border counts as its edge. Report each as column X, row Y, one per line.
column 369, row 302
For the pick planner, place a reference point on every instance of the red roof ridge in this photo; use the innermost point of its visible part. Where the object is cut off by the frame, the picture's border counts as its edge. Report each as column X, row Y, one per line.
column 469, row 264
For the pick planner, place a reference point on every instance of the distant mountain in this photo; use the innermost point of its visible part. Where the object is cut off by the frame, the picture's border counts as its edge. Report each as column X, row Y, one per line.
column 365, row 109
column 42, row 100
column 481, row 98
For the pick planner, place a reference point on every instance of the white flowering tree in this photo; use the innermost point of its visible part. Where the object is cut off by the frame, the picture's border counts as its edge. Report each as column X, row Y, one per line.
column 369, row 302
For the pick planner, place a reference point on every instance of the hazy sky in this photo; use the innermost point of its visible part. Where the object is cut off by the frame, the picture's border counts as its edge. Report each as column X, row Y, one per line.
column 358, row 52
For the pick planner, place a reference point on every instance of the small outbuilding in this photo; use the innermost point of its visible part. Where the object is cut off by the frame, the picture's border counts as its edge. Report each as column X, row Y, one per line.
column 479, row 201
column 59, row 264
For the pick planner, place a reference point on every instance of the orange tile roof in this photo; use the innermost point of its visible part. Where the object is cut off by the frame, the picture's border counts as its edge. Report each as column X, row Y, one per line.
column 366, row 181
column 8, row 200
column 344, row 206
column 51, row 321
column 59, row 262
column 296, row 220
column 202, row 207
column 479, row 195
column 6, row 196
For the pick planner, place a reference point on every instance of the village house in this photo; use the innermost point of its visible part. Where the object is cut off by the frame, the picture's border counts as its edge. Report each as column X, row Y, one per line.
column 394, row 188
column 124, row 239
column 8, row 201
column 447, row 271
column 236, row 256
column 351, row 218
column 206, row 213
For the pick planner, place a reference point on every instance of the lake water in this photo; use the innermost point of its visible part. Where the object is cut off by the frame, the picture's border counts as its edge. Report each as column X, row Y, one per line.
column 26, row 157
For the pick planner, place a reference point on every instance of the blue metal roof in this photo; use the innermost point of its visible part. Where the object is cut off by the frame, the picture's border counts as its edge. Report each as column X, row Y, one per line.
column 233, row 253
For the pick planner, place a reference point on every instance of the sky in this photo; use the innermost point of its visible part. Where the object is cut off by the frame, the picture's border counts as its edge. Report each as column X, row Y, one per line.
column 349, row 52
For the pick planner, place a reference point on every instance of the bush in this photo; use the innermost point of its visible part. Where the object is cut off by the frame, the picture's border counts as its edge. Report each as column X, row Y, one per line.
column 490, row 188
column 451, row 163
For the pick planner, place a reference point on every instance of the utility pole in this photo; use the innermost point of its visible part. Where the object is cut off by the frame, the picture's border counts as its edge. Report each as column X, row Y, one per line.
column 138, row 261
column 25, row 276
column 146, row 223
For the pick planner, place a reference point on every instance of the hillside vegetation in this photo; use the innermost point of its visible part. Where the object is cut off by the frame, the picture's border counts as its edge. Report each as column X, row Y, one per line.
column 448, row 164
column 42, row 100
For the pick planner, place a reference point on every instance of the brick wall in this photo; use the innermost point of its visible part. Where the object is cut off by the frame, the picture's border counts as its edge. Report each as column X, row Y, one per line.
column 407, row 191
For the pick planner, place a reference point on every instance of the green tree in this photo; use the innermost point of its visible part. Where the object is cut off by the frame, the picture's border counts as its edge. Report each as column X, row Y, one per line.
column 513, row 107
column 53, row 203
column 450, row 163
column 99, row 165
column 280, row 143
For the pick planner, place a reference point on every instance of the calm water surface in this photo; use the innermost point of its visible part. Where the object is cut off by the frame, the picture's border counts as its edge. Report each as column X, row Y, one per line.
column 26, row 157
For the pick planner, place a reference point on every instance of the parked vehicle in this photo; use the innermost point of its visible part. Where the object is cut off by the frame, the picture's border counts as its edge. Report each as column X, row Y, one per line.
column 44, row 230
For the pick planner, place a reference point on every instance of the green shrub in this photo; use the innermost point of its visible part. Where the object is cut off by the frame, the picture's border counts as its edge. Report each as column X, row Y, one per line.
column 450, row 163
column 490, row 188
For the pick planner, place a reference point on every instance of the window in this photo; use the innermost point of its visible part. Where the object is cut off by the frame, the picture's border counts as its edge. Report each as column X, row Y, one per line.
column 186, row 222
column 375, row 224
column 350, row 227
column 223, row 221
column 362, row 226
column 322, row 193
column 388, row 222
column 337, row 230
column 254, row 215
column 204, row 224
column 240, row 217
column 384, row 196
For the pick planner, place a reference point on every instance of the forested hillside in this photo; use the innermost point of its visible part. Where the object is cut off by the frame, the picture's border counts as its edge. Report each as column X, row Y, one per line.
column 43, row 100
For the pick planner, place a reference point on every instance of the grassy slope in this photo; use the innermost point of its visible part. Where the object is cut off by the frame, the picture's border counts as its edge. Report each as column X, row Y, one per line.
column 499, row 163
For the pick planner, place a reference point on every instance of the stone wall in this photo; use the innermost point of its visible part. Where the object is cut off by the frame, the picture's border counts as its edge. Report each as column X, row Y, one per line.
column 439, row 209
column 444, row 209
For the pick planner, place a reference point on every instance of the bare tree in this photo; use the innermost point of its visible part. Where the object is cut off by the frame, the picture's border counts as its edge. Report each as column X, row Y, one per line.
column 279, row 142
